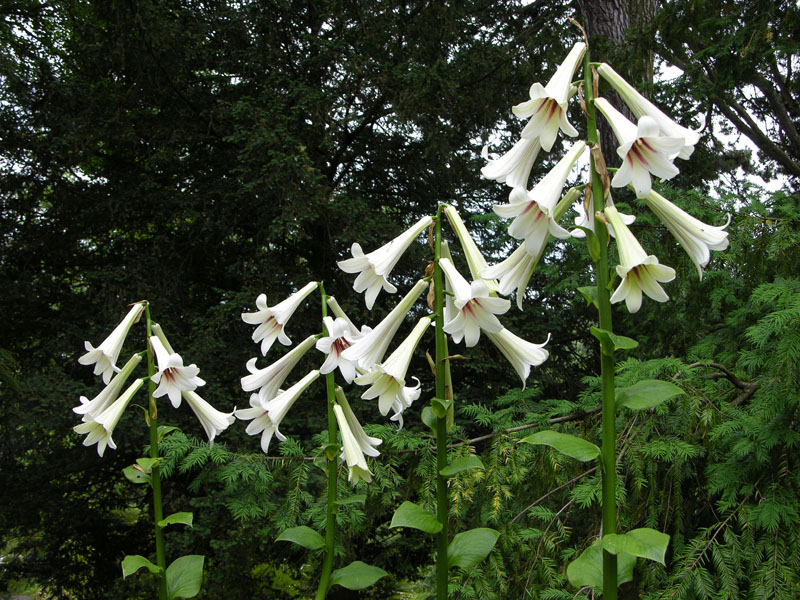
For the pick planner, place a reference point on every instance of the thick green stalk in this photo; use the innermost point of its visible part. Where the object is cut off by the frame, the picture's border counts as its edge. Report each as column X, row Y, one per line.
column 155, row 472
column 331, row 470
column 442, row 498
column 609, row 441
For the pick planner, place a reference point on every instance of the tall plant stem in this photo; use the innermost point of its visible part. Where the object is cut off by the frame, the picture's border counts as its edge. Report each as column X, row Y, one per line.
column 155, row 472
column 332, row 475
column 442, row 498
column 609, row 441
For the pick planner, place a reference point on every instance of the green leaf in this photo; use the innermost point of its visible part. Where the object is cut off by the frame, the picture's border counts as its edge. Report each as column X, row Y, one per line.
column 409, row 514
column 134, row 562
column 356, row 499
column 135, row 475
column 440, row 407
column 331, row 451
column 468, row 548
column 429, row 418
column 647, row 394
column 185, row 576
column 589, row 293
column 165, row 430
column 587, row 569
column 356, row 576
column 303, row 536
column 465, row 463
column 184, row 518
column 592, row 243
column 570, row 445
column 147, row 464
column 644, row 542
column 616, row 342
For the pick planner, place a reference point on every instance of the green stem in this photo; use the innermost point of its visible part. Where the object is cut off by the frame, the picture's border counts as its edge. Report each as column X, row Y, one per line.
column 155, row 473
column 332, row 474
column 609, row 440
column 442, row 497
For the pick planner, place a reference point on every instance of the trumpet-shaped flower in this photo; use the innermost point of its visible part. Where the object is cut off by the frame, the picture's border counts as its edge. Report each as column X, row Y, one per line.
column 638, row 271
column 533, row 211
column 336, row 342
column 474, row 308
column 387, row 380
column 265, row 417
column 269, row 379
column 641, row 106
column 642, row 149
column 104, row 357
column 515, row 272
column 585, row 218
column 105, row 398
column 100, row 428
column 475, row 260
column 547, row 107
column 374, row 268
column 353, row 332
column 697, row 238
column 272, row 320
column 357, row 468
column 213, row 421
column 366, row 443
column 514, row 167
column 520, row 353
column 173, row 377
column 369, row 349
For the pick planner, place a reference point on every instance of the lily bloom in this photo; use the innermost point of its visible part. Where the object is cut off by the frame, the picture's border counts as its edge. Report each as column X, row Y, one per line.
column 100, row 428
column 514, row 167
column 641, row 106
column 272, row 320
column 105, row 398
column 474, row 308
column 475, row 260
column 333, row 345
column 374, row 268
column 353, row 332
column 104, row 357
column 357, row 468
column 697, row 238
column 269, row 379
column 533, row 211
column 265, row 417
column 520, row 353
column 213, row 421
column 638, row 271
column 547, row 107
column 642, row 148
column 515, row 272
column 388, row 379
column 173, row 377
column 366, row 443
column 369, row 349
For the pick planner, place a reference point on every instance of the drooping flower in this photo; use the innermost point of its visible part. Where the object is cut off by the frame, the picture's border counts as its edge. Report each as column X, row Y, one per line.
column 173, row 377
column 547, row 107
column 213, row 421
column 333, row 345
column 357, row 468
column 520, row 353
column 514, row 167
column 369, row 349
column 475, row 260
column 533, row 211
column 387, row 380
column 265, row 417
column 272, row 320
column 641, row 106
column 104, row 357
column 585, row 218
column 354, row 333
column 269, row 379
column 374, row 268
column 638, row 271
column 474, row 308
column 109, row 394
column 696, row 237
column 642, row 148
column 100, row 428
column 366, row 443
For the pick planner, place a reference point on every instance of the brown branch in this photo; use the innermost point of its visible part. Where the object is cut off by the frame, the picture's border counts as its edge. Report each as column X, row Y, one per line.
column 747, row 388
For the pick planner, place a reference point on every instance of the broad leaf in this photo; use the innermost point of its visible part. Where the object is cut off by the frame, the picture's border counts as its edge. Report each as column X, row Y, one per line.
column 589, row 294
column 440, row 407
column 572, row 446
column 468, row 548
column 356, row 576
column 409, row 514
column 645, row 542
column 135, row 475
column 184, row 518
column 617, row 342
column 355, row 499
column 303, row 536
column 165, row 430
column 147, row 464
column 134, row 562
column 185, row 576
column 587, row 569
column 429, row 418
column 646, row 394
column 465, row 463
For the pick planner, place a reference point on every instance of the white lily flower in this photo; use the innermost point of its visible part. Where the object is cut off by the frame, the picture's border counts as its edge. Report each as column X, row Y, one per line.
column 696, row 237
column 357, row 468
column 353, row 332
column 173, row 376
column 109, row 394
column 474, row 308
column 515, row 272
column 333, row 345
column 269, row 379
column 533, row 211
column 267, row 416
column 641, row 106
column 100, row 428
column 475, row 260
column 104, row 357
column 586, row 219
column 520, row 353
column 374, row 268
column 638, row 271
column 642, row 148
column 388, row 379
column 548, row 105
column 272, row 320
column 514, row 167
column 369, row 349
column 213, row 421
column 366, row 443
